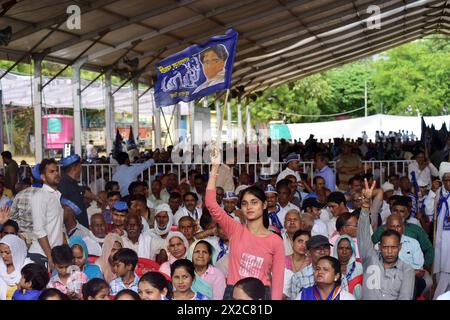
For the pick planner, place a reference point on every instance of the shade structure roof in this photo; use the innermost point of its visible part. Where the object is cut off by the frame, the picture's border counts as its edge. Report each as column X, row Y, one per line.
column 279, row 40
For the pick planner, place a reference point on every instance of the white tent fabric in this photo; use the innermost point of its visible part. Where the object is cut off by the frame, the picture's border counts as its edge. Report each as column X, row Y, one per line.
column 17, row 90
column 352, row 128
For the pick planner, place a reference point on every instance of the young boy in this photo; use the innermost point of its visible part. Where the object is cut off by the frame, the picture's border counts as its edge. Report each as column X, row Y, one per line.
column 119, row 212
column 34, row 279
column 67, row 279
column 124, row 263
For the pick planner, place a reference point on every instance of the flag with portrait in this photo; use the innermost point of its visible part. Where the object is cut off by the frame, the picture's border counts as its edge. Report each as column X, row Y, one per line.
column 197, row 71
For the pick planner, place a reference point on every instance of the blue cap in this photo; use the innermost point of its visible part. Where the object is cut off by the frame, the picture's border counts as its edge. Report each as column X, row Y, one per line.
column 67, row 161
column 292, row 157
column 9, row 203
column 229, row 195
column 35, row 172
column 311, row 195
column 120, row 206
column 71, row 205
column 270, row 189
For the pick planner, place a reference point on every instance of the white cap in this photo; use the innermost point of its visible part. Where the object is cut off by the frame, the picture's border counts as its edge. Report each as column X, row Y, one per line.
column 387, row 186
column 443, row 169
column 421, row 183
column 240, row 188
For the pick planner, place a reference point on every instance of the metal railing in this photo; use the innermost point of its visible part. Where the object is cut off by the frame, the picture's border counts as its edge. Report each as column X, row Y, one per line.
column 96, row 175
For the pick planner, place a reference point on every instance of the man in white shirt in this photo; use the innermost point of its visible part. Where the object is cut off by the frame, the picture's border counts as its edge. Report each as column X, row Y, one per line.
column 337, row 204
column 189, row 209
column 313, row 207
column 91, row 153
column 144, row 244
column 127, row 173
column 291, row 225
column 94, row 240
column 293, row 166
column 423, row 168
column 284, row 194
column 73, row 227
column 47, row 214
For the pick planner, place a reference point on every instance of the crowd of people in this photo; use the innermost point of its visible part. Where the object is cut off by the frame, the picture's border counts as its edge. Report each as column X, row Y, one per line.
column 336, row 235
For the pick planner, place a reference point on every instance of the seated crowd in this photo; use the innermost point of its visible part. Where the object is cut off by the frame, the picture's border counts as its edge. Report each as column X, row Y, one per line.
column 217, row 235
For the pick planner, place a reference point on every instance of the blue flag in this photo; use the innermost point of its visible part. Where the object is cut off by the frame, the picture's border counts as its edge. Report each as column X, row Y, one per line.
column 197, row 71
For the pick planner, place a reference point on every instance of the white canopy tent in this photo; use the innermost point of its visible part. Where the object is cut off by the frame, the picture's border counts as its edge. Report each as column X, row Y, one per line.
column 18, row 90
column 352, row 128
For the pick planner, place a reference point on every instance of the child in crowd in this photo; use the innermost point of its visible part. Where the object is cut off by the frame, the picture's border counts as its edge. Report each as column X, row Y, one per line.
column 34, row 279
column 154, row 286
column 124, row 261
column 96, row 289
column 68, row 279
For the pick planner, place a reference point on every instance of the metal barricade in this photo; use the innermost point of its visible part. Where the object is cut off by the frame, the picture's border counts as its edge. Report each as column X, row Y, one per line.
column 96, row 175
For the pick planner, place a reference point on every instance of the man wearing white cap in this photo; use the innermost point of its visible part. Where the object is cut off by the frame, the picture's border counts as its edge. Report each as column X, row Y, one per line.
column 230, row 200
column 442, row 240
column 293, row 165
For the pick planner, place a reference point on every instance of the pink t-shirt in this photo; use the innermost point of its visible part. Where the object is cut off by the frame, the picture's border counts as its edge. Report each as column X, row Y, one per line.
column 250, row 255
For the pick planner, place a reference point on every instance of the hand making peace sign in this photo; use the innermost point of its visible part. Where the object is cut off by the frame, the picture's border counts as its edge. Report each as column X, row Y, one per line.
column 367, row 192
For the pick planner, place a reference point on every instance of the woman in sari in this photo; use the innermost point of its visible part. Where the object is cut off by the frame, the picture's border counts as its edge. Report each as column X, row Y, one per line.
column 209, row 280
column 177, row 245
column 327, row 282
column 351, row 270
column 13, row 252
column 113, row 242
column 80, row 257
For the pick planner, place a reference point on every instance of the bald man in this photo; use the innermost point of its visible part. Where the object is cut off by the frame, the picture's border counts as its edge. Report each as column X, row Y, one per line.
column 411, row 253
column 97, row 234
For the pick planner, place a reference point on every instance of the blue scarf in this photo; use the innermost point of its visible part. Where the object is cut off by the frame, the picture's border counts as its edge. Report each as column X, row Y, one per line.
column 223, row 250
column 312, row 293
column 274, row 220
column 444, row 201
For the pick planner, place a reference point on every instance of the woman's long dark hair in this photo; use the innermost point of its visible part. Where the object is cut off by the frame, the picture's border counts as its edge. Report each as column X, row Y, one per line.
column 336, row 265
column 258, row 193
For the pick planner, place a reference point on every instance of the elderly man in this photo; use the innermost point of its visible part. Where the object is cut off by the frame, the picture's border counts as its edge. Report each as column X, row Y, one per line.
column 442, row 242
column 96, row 236
column 145, row 245
column 386, row 277
column 73, row 227
column 291, row 225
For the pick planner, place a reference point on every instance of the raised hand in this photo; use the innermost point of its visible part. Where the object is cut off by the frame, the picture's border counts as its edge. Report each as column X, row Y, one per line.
column 368, row 192
column 5, row 214
column 215, row 155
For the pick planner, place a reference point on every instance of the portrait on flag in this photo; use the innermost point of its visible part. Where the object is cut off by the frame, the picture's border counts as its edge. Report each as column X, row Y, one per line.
column 197, row 71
